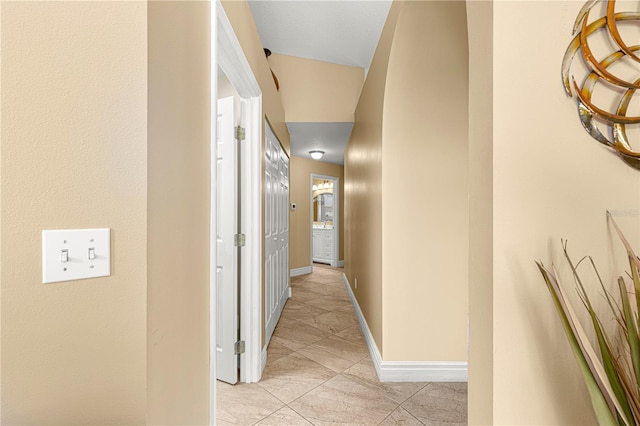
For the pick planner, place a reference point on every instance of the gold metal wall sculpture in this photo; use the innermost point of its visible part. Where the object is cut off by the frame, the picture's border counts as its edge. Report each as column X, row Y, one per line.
column 603, row 71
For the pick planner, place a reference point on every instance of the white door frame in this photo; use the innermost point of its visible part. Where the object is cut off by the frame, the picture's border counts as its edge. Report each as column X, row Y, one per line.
column 335, row 261
column 227, row 53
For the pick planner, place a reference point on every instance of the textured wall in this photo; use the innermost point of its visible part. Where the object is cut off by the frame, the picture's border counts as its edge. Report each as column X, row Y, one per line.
column 425, row 209
column 363, row 186
column 550, row 181
column 178, row 213
column 407, row 185
column 74, row 155
column 316, row 91
column 480, row 28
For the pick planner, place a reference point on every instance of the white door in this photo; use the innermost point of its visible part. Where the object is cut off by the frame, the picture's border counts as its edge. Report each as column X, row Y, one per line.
column 276, row 230
column 227, row 276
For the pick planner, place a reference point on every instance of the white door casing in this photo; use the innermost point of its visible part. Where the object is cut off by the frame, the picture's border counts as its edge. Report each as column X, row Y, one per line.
column 227, row 54
column 276, row 231
column 227, row 253
column 335, row 260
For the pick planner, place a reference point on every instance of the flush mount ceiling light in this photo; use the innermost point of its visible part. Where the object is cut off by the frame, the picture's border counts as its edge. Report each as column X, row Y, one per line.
column 316, row 155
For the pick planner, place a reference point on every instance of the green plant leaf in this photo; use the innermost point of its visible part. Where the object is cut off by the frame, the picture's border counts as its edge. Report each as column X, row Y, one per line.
column 633, row 259
column 601, row 403
column 632, row 332
column 636, row 282
column 616, row 311
column 609, row 368
column 624, row 409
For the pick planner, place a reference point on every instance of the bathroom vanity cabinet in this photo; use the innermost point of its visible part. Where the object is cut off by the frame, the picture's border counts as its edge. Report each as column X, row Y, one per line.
column 323, row 245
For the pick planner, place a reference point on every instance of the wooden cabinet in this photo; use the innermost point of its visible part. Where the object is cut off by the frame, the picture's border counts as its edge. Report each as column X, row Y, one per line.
column 323, row 245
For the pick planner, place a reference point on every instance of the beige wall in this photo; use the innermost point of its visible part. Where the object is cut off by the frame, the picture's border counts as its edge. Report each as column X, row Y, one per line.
column 480, row 259
column 316, row 91
column 178, row 213
column 425, row 210
column 1, row 139
column 550, row 181
column 363, row 187
column 74, row 155
column 407, row 186
column 300, row 220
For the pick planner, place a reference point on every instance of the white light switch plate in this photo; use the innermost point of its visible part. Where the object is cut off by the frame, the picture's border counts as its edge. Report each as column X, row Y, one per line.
column 78, row 244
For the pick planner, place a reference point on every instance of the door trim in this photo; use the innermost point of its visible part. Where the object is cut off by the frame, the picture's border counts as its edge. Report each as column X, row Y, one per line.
column 213, row 204
column 227, row 53
column 251, row 224
column 234, row 63
column 335, row 261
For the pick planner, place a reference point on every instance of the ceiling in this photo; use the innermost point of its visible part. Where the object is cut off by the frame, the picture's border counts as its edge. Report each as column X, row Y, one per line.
column 331, row 138
column 342, row 32
column 338, row 31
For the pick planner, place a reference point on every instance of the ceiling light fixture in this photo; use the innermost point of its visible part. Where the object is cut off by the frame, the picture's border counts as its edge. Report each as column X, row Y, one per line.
column 316, row 155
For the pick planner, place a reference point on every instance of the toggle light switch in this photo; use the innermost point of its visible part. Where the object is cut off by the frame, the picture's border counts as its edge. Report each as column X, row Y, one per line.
column 75, row 254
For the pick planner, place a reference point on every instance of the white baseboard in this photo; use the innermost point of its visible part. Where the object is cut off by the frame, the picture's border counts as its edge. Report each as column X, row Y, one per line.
column 264, row 358
column 301, row 271
column 407, row 371
column 340, row 263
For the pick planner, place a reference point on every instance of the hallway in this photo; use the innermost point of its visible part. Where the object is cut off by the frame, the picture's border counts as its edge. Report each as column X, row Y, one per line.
column 319, row 371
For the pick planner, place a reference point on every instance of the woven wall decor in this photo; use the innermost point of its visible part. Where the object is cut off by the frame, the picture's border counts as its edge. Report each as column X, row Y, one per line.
column 610, row 72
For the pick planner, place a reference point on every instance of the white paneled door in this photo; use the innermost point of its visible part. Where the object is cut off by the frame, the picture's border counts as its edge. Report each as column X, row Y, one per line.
column 227, row 226
column 276, row 230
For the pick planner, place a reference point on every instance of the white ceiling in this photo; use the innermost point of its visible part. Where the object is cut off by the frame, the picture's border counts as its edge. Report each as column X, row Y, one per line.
column 338, row 31
column 331, row 138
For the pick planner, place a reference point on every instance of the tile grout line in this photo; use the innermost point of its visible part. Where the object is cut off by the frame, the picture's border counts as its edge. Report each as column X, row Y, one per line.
column 332, row 334
column 416, row 392
column 302, row 355
column 408, row 412
column 255, row 423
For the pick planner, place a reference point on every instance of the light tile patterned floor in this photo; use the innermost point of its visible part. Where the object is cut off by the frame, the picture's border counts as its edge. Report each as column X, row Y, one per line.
column 319, row 371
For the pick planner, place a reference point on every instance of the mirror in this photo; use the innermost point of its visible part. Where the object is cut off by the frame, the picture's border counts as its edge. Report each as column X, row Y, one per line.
column 323, row 208
column 322, row 203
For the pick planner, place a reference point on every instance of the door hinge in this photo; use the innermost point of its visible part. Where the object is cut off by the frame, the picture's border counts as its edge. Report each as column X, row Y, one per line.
column 239, row 347
column 239, row 240
column 240, row 133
